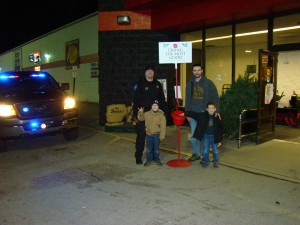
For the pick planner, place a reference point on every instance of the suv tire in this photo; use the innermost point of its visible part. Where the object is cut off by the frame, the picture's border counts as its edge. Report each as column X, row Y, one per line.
column 71, row 134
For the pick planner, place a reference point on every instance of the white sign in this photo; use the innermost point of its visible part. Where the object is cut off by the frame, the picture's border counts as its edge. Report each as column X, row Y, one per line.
column 94, row 69
column 269, row 93
column 74, row 73
column 175, row 52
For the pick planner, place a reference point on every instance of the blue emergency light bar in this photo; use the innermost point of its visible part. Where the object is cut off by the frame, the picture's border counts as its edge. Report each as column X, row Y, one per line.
column 9, row 76
column 38, row 75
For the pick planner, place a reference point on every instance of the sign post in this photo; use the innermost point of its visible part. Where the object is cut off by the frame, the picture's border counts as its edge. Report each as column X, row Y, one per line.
column 74, row 74
column 176, row 52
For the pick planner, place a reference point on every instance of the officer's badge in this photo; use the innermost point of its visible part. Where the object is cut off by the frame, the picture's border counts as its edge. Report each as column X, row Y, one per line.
column 146, row 88
column 135, row 87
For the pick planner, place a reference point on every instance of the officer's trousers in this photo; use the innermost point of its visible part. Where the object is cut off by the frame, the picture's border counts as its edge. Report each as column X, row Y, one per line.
column 140, row 139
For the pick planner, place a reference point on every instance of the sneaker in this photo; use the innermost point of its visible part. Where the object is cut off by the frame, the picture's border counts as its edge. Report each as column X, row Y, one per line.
column 216, row 165
column 147, row 163
column 204, row 165
column 158, row 163
column 194, row 158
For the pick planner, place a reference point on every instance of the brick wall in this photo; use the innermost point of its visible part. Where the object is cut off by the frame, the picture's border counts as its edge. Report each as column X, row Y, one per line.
column 139, row 20
column 123, row 57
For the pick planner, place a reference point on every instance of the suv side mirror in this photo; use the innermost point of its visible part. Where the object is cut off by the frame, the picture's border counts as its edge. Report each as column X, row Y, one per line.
column 65, row 86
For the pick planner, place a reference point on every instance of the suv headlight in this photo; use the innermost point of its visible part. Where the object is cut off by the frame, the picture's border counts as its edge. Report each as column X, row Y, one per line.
column 7, row 110
column 69, row 103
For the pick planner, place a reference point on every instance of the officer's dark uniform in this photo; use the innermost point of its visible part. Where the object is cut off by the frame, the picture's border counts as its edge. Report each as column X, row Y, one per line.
column 144, row 94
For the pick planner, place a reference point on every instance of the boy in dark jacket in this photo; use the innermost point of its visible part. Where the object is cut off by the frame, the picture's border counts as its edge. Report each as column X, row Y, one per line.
column 210, row 130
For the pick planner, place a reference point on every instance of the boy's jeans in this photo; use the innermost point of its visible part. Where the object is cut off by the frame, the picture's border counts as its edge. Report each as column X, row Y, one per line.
column 208, row 140
column 195, row 142
column 152, row 147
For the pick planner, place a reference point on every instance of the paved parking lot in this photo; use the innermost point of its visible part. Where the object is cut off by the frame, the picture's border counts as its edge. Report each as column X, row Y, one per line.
column 95, row 181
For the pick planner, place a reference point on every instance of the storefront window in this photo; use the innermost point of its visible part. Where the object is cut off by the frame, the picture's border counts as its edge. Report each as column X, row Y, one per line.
column 218, row 51
column 250, row 37
column 286, row 29
column 186, row 68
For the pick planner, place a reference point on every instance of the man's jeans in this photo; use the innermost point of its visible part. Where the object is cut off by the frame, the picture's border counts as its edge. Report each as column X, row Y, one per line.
column 152, row 146
column 195, row 142
column 208, row 140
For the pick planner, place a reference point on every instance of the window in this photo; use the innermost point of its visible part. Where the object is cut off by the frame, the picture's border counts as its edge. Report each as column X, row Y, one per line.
column 286, row 29
column 218, row 49
column 250, row 37
column 186, row 68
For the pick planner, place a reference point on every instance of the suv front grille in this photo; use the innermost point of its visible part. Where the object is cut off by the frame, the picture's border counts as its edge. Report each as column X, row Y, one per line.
column 39, row 109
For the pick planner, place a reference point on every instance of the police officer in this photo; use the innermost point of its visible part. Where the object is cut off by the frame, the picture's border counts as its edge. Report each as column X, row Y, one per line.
column 146, row 91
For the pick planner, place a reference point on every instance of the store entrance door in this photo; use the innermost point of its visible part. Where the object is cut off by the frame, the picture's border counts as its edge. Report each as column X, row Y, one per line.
column 267, row 79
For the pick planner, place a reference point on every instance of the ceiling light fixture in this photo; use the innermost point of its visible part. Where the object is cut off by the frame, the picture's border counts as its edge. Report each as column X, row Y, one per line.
column 249, row 33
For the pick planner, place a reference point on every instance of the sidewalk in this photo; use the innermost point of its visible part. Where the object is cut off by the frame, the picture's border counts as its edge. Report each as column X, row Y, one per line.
column 278, row 159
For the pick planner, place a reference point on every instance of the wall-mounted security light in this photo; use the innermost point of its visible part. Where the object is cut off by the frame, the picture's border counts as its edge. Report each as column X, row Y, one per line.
column 123, row 19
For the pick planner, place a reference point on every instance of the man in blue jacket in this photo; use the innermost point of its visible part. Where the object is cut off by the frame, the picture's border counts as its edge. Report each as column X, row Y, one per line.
column 199, row 91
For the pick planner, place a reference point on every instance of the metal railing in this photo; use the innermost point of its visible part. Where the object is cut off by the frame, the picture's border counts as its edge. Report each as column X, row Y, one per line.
column 248, row 124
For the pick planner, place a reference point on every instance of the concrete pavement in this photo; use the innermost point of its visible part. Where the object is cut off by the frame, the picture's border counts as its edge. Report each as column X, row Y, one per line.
column 95, row 181
column 278, row 158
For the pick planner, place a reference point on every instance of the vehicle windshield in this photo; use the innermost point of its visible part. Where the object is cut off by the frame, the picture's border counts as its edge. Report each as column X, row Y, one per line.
column 20, row 81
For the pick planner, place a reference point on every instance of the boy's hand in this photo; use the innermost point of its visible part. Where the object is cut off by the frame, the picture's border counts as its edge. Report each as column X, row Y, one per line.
column 141, row 110
column 218, row 114
column 135, row 122
column 220, row 146
column 182, row 114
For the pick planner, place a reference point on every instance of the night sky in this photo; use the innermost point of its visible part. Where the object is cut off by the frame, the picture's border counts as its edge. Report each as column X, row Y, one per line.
column 24, row 20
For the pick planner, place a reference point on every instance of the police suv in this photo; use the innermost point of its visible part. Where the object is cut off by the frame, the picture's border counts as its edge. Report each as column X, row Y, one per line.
column 33, row 103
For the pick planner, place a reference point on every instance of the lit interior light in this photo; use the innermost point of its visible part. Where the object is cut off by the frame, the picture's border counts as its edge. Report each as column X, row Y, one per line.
column 286, row 28
column 249, row 33
column 252, row 33
column 196, row 41
column 248, row 51
column 219, row 38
